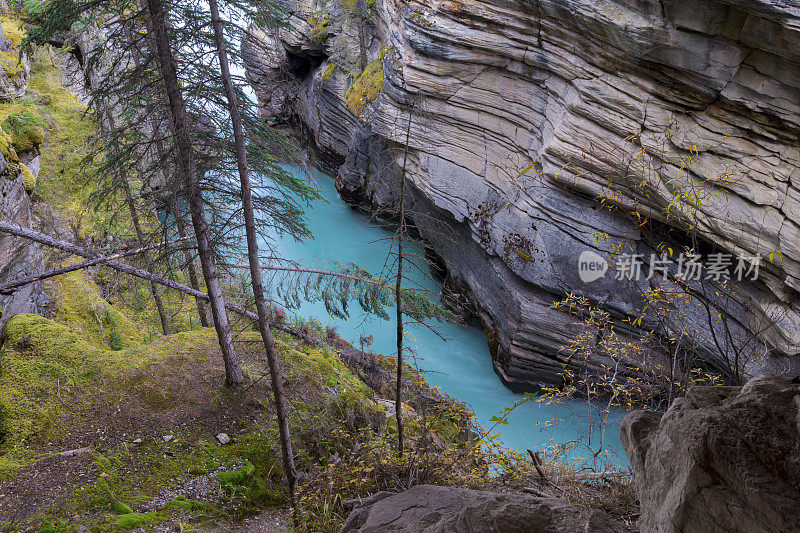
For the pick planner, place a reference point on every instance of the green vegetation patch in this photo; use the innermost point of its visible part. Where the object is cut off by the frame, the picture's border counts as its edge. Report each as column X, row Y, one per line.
column 27, row 175
column 84, row 310
column 329, row 72
column 9, row 59
column 12, row 28
column 26, row 128
column 39, row 361
column 67, row 178
column 365, row 88
column 132, row 520
column 319, row 29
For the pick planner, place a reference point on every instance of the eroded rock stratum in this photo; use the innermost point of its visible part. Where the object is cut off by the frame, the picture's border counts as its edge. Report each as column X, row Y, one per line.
column 526, row 114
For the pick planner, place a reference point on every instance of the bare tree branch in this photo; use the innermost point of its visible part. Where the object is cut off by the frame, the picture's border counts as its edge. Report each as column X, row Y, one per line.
column 13, row 285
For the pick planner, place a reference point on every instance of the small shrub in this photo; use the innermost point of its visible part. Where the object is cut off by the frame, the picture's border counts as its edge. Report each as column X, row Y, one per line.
column 115, row 341
column 26, row 129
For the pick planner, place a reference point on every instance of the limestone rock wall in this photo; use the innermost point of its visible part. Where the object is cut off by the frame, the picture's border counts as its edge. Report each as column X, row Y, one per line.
column 527, row 115
column 18, row 257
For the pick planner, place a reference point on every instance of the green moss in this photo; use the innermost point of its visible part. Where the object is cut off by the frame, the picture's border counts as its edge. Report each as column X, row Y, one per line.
column 27, row 175
column 189, row 506
column 82, row 307
column 120, row 508
column 13, row 30
column 329, row 71
column 7, row 148
column 40, row 358
column 132, row 520
column 49, row 374
column 319, row 29
column 54, row 526
column 67, row 179
column 26, row 128
column 365, row 88
column 9, row 60
column 233, row 479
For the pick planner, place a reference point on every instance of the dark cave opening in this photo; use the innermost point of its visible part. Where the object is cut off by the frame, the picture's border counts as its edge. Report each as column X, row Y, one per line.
column 301, row 65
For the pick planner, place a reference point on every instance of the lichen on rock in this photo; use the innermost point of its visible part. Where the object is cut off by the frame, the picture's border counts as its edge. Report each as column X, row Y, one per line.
column 365, row 88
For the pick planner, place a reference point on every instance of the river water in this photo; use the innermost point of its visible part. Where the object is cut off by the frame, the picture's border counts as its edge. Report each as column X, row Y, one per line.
column 461, row 366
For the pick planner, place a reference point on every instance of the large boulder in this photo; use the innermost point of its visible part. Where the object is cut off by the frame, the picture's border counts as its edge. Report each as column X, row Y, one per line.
column 432, row 509
column 721, row 459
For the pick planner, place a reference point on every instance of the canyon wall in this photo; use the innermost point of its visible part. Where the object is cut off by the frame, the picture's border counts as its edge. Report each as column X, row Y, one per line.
column 18, row 172
column 541, row 129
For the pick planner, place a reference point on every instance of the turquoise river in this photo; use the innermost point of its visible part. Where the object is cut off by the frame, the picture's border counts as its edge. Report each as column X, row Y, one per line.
column 461, row 366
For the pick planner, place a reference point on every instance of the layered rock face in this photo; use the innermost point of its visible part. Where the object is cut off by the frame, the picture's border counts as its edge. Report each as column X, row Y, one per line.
column 530, row 119
column 721, row 459
column 18, row 257
column 432, row 509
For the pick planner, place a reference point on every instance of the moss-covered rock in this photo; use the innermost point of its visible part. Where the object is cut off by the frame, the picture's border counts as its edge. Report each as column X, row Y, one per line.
column 13, row 30
column 7, row 148
column 28, row 177
column 26, row 128
column 365, row 88
column 15, row 72
column 319, row 29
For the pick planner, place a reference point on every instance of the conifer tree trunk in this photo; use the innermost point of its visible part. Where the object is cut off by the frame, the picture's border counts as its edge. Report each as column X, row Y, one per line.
column 171, row 201
column 162, row 315
column 126, row 190
column 401, row 232
column 157, row 27
column 187, row 256
column 252, row 254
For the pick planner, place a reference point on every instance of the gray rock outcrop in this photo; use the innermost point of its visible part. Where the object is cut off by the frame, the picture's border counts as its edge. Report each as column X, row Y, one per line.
column 15, row 71
column 721, row 459
column 432, row 509
column 637, row 102
column 18, row 257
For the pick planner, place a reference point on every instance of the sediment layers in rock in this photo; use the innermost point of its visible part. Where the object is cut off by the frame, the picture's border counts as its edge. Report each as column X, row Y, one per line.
column 528, row 117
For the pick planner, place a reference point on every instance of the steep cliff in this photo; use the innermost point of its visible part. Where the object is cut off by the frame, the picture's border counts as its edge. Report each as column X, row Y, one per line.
column 528, row 115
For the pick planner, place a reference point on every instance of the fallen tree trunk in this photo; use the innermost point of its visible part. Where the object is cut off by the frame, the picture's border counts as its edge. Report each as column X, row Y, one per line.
column 41, row 238
column 13, row 285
